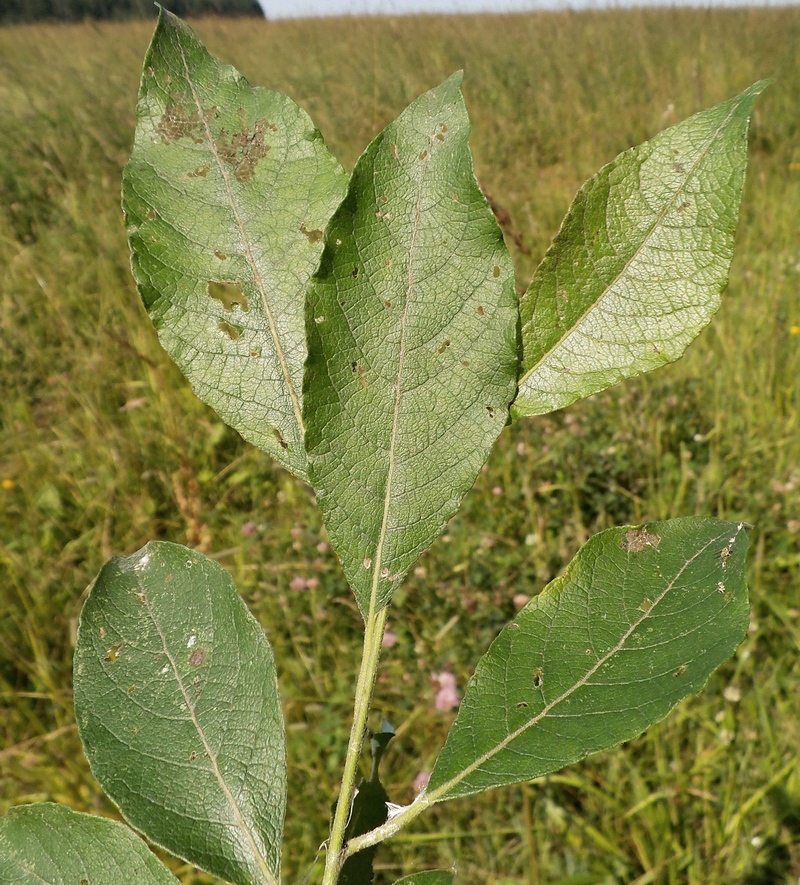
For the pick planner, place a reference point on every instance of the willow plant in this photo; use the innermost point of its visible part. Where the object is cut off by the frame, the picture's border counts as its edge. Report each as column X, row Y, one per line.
column 365, row 332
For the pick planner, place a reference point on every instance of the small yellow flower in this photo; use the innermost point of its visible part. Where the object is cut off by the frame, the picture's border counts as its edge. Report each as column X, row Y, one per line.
column 795, row 167
column 793, row 330
column 9, row 484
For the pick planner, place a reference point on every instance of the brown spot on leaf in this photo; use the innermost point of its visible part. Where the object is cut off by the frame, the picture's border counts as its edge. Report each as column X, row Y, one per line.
column 197, row 657
column 141, row 598
column 102, row 632
column 424, row 155
column 200, row 172
column 279, row 436
column 481, row 310
column 313, row 236
column 152, row 214
column 445, row 345
column 229, row 294
column 645, row 605
column 637, row 540
column 177, row 122
column 192, row 756
column 538, row 677
column 496, row 271
column 520, row 705
column 244, row 149
column 132, row 689
column 681, row 670
column 221, row 255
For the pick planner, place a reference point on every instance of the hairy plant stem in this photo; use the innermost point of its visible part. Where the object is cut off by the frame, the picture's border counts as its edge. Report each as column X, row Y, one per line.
column 394, row 824
column 373, row 636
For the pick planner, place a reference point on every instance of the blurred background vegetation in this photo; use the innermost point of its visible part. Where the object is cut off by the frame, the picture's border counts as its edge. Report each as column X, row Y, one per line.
column 103, row 446
column 15, row 11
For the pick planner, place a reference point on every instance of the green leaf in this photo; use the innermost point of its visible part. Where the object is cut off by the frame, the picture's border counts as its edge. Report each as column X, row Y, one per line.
column 411, row 325
column 177, row 704
column 226, row 195
column 639, row 620
column 428, row 877
column 637, row 269
column 49, row 844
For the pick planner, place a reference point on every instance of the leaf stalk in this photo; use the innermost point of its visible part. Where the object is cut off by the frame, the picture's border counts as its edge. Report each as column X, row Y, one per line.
column 373, row 636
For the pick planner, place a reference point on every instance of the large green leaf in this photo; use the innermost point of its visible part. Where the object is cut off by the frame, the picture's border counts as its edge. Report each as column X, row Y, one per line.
column 639, row 620
column 638, row 266
column 177, row 703
column 226, row 195
column 411, row 326
column 50, row 844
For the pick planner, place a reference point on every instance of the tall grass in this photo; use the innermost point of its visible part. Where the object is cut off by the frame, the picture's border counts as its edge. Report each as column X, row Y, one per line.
column 102, row 445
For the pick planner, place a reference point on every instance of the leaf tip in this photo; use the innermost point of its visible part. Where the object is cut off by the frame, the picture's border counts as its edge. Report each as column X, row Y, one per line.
column 457, row 78
column 759, row 86
column 451, row 87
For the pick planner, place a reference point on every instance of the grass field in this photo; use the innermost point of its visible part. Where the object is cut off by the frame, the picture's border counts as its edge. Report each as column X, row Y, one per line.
column 103, row 446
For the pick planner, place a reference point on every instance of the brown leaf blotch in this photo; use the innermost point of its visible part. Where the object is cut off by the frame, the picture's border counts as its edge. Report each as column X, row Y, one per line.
column 637, row 540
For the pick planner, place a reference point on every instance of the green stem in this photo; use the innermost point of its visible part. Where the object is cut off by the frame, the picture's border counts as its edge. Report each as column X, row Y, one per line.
column 373, row 635
column 392, row 826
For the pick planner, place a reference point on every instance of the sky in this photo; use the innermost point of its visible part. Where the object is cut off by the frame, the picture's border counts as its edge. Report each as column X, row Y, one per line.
column 302, row 8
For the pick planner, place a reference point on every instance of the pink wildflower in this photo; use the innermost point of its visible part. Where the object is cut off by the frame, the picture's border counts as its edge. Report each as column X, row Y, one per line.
column 389, row 639
column 249, row 529
column 521, row 600
column 297, row 584
column 447, row 697
column 421, row 781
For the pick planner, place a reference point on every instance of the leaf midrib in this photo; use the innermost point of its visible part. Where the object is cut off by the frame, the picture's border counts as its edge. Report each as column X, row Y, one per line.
column 440, row 792
column 209, row 752
column 398, row 397
column 653, row 228
column 296, row 406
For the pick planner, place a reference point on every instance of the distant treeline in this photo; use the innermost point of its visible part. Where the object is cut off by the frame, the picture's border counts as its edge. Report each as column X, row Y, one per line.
column 78, row 10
